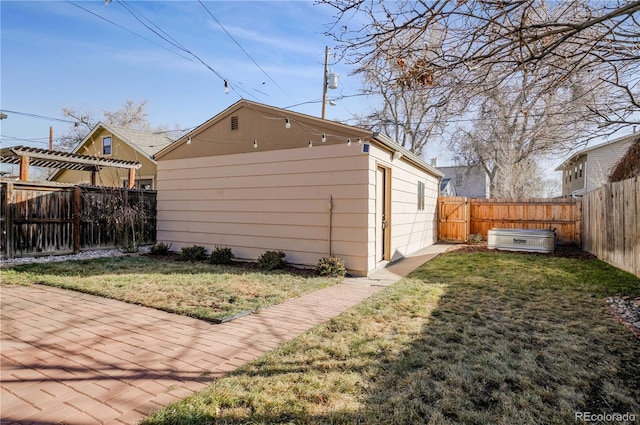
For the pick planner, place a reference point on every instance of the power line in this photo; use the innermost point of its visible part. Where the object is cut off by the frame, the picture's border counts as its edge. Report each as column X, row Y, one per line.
column 242, row 48
column 26, row 114
column 129, row 31
column 172, row 41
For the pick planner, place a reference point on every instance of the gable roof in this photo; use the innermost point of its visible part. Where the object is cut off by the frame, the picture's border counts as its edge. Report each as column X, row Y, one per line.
column 573, row 158
column 146, row 142
column 379, row 139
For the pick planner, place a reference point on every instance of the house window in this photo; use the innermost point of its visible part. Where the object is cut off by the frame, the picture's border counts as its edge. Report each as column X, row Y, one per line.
column 106, row 145
column 580, row 170
column 420, row 196
column 234, row 123
column 459, row 179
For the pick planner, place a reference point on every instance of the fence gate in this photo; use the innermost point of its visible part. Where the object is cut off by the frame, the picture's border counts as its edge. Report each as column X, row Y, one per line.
column 453, row 219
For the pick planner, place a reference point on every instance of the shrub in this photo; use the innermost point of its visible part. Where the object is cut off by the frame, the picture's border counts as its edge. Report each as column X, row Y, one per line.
column 331, row 266
column 272, row 260
column 475, row 238
column 160, row 248
column 193, row 253
column 221, row 255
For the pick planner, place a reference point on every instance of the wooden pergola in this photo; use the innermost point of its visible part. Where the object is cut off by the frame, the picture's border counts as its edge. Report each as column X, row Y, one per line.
column 26, row 156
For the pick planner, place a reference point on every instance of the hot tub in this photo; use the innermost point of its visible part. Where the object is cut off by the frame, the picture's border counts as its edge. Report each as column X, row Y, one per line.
column 532, row 240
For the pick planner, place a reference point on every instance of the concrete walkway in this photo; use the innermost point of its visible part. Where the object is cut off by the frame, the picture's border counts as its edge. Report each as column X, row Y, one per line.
column 78, row 359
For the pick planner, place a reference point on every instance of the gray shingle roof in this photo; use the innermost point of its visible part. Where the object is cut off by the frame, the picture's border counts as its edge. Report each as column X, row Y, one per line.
column 145, row 141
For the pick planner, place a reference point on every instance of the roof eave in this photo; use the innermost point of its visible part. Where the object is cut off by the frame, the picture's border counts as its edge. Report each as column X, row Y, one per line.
column 413, row 158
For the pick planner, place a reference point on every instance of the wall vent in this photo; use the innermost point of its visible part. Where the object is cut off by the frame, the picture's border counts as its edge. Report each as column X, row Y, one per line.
column 234, row 123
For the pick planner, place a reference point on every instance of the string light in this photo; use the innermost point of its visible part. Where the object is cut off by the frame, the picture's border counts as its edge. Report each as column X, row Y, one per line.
column 255, row 144
column 348, row 142
column 189, row 140
column 310, row 144
column 226, row 87
column 359, row 141
column 287, row 123
column 324, row 138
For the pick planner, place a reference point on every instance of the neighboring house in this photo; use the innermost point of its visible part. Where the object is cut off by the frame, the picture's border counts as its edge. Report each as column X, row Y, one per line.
column 447, row 188
column 257, row 178
column 590, row 168
column 629, row 164
column 109, row 141
column 469, row 181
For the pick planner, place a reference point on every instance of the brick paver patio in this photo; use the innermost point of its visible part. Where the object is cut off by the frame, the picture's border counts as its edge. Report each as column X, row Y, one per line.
column 72, row 358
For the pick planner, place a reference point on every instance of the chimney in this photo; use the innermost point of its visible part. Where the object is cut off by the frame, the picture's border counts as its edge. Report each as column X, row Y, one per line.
column 434, row 162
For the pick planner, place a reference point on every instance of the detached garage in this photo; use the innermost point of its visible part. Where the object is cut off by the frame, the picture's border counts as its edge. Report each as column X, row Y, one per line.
column 257, row 178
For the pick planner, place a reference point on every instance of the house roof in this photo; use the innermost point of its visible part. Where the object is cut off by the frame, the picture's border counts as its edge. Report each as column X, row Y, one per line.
column 573, row 158
column 61, row 160
column 146, row 142
column 316, row 122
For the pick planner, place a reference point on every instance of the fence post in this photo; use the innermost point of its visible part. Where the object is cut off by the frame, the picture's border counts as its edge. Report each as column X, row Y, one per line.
column 578, row 221
column 77, row 198
column 9, row 211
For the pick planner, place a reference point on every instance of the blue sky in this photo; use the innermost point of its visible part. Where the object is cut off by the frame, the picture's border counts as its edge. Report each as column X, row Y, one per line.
column 55, row 54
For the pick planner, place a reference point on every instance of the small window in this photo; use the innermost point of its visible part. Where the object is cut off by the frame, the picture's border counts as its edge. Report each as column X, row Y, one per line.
column 106, row 145
column 458, row 179
column 580, row 171
column 420, row 196
column 234, row 123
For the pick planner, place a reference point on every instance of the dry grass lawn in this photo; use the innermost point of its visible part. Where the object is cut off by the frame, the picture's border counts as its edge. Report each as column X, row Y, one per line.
column 201, row 290
column 468, row 338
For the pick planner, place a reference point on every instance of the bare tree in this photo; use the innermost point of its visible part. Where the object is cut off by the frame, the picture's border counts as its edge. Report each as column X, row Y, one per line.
column 516, row 125
column 414, row 109
column 489, row 41
column 130, row 115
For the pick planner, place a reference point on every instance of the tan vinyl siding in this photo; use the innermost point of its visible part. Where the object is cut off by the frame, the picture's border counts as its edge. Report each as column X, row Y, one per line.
column 269, row 200
column 411, row 229
column 264, row 125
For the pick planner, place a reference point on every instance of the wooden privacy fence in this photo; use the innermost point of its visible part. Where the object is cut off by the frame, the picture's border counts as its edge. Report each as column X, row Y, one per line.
column 44, row 219
column 611, row 224
column 460, row 217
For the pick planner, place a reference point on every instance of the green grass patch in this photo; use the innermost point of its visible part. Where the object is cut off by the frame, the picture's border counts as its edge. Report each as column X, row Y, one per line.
column 199, row 290
column 466, row 339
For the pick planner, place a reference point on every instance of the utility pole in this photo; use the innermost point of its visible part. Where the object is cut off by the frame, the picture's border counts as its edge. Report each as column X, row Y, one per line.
column 325, row 81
